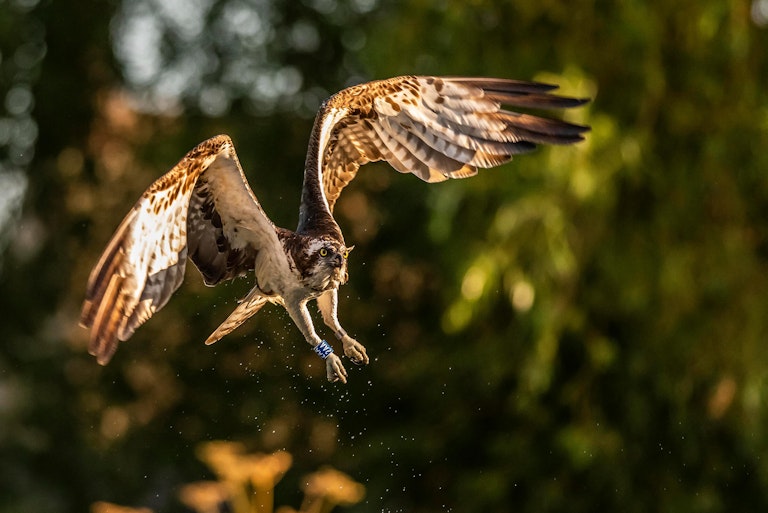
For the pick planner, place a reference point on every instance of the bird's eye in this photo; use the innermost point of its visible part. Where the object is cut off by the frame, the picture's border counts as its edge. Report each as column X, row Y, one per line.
column 323, row 252
column 346, row 253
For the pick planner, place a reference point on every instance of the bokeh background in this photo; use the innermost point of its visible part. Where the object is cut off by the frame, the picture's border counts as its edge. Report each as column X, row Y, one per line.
column 584, row 329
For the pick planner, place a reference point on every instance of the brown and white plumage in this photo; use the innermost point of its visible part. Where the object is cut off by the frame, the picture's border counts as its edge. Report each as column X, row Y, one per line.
column 181, row 214
column 203, row 208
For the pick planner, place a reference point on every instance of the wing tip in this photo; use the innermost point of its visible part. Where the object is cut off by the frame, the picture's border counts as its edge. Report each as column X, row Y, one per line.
column 570, row 102
column 504, row 84
column 103, row 357
column 103, row 346
column 86, row 315
column 522, row 93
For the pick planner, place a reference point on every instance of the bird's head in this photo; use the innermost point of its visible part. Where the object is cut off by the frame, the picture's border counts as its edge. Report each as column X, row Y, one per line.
column 327, row 262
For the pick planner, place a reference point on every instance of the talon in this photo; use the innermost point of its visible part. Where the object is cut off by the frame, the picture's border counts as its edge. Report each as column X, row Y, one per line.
column 355, row 351
column 335, row 370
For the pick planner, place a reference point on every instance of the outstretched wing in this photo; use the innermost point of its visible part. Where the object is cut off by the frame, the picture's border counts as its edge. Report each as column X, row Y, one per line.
column 202, row 208
column 435, row 128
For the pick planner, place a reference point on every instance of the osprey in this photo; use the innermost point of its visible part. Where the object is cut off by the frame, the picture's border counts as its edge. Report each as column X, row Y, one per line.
column 203, row 208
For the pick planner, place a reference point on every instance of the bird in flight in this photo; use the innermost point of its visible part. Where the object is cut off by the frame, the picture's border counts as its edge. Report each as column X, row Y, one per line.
column 203, row 208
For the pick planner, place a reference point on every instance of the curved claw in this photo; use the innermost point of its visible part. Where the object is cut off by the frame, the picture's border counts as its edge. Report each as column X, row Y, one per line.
column 334, row 369
column 355, row 351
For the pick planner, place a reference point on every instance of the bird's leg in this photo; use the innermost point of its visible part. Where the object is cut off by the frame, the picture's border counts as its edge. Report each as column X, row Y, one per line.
column 328, row 304
column 300, row 315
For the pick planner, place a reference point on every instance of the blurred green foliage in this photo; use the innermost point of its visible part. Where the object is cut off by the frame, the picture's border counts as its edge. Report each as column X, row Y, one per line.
column 580, row 330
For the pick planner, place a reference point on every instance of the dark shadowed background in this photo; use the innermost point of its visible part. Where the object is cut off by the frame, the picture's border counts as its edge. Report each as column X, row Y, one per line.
column 584, row 329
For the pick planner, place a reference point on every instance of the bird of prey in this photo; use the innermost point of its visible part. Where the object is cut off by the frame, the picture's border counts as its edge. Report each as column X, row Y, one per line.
column 203, row 208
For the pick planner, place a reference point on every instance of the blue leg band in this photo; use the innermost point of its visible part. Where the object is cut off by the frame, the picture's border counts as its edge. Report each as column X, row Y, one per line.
column 323, row 349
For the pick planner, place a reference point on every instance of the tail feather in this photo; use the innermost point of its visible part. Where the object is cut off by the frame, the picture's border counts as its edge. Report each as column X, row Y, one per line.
column 248, row 307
